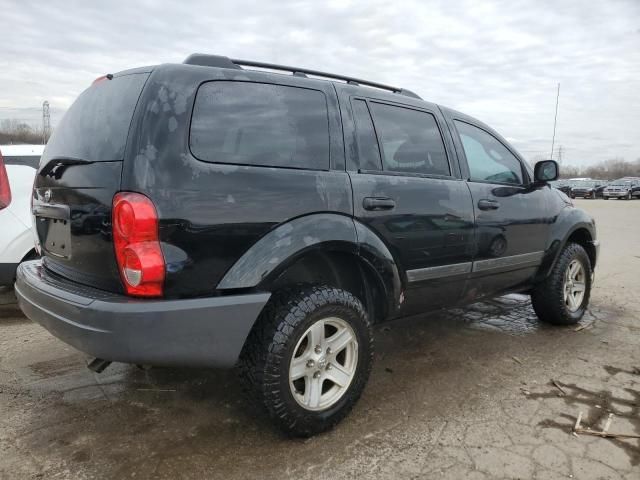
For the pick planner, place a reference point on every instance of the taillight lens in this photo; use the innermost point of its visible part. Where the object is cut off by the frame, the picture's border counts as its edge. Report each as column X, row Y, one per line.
column 5, row 189
column 137, row 245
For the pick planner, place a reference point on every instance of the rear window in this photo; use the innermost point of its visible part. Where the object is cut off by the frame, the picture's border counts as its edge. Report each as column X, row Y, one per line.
column 95, row 128
column 261, row 124
column 410, row 140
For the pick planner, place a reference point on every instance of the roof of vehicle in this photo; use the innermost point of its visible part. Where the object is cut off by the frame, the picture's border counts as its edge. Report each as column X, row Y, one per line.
column 21, row 150
column 622, row 180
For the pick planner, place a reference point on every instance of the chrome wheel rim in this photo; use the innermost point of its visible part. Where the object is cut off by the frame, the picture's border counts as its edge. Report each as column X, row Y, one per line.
column 574, row 285
column 323, row 363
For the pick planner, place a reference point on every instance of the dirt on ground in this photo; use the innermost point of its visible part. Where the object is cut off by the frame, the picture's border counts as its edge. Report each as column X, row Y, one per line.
column 484, row 392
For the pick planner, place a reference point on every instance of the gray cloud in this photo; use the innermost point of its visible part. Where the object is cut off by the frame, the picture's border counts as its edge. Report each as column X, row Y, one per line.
column 497, row 60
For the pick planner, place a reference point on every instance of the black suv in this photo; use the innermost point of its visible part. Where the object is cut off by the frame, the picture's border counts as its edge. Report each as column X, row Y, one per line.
column 206, row 214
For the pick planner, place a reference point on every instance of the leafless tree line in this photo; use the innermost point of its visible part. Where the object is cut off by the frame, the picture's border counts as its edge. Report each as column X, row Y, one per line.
column 13, row 131
column 607, row 170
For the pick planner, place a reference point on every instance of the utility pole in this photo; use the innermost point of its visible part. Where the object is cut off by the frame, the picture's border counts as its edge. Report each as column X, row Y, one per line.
column 555, row 121
column 46, row 122
column 560, row 154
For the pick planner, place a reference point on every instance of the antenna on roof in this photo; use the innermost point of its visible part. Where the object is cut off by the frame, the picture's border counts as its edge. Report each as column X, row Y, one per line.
column 555, row 121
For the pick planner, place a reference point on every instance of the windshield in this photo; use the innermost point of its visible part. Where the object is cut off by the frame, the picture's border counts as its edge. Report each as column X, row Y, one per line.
column 624, row 182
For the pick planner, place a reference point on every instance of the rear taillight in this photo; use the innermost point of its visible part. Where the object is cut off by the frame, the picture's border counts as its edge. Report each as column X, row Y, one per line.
column 5, row 189
column 108, row 76
column 137, row 246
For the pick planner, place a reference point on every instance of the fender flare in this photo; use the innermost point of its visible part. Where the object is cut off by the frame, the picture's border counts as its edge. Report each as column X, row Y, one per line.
column 288, row 242
column 568, row 222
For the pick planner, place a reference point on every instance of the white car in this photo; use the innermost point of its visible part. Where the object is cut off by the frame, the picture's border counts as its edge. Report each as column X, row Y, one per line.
column 18, row 164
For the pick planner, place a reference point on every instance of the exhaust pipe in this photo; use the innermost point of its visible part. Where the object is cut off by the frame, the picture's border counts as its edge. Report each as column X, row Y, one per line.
column 98, row 365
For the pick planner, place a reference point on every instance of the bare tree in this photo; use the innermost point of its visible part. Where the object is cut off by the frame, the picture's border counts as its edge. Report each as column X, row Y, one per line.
column 606, row 170
column 13, row 131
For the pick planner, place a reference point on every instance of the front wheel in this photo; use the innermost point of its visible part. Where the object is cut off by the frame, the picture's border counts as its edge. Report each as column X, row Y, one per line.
column 563, row 297
column 308, row 358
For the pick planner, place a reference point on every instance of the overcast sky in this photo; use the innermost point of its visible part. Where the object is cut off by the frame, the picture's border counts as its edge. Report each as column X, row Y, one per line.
column 499, row 61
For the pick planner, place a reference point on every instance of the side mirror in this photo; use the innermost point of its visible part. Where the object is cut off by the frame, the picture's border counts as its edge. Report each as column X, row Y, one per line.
column 546, row 171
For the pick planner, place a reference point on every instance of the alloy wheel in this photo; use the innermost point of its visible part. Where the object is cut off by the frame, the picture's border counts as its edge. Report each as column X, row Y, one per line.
column 574, row 285
column 323, row 364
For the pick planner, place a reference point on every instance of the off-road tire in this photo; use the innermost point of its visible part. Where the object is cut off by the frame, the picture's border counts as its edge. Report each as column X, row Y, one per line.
column 264, row 361
column 548, row 297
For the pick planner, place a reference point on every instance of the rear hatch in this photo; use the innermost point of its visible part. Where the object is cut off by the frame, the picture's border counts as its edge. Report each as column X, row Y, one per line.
column 78, row 175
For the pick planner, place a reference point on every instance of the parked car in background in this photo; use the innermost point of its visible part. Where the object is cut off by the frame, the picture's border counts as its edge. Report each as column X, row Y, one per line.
column 586, row 188
column 625, row 188
column 214, row 214
column 18, row 164
column 599, row 190
column 563, row 185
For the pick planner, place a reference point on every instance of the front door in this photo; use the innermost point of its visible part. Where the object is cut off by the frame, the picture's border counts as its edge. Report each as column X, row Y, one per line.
column 511, row 218
column 407, row 190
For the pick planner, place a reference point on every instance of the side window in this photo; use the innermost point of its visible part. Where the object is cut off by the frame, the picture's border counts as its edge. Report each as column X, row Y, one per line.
column 260, row 124
column 488, row 159
column 368, row 151
column 410, row 140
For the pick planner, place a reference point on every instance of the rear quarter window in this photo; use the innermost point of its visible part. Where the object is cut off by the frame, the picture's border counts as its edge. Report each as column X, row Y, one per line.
column 96, row 126
column 260, row 124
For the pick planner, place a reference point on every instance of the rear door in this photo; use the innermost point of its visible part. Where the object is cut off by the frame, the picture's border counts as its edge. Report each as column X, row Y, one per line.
column 406, row 189
column 78, row 175
column 511, row 213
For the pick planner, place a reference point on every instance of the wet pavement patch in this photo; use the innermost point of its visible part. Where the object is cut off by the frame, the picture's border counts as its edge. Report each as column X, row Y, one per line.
column 464, row 393
column 597, row 406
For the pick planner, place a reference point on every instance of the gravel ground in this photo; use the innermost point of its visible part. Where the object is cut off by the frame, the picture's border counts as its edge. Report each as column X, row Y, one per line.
column 458, row 394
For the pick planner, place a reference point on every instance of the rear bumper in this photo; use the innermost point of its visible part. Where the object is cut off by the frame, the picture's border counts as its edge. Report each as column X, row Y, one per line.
column 7, row 273
column 192, row 332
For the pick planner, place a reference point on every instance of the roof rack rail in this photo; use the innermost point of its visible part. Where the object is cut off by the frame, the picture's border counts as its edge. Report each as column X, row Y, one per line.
column 225, row 62
column 205, row 60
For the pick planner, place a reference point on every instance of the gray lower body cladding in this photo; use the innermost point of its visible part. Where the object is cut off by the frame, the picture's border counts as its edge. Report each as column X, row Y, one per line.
column 192, row 332
column 7, row 273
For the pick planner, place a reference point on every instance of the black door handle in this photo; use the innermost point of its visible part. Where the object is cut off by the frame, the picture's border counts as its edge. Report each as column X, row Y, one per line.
column 378, row 203
column 485, row 204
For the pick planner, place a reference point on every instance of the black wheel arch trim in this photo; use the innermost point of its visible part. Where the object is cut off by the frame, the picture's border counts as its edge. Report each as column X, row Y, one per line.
column 290, row 241
column 569, row 221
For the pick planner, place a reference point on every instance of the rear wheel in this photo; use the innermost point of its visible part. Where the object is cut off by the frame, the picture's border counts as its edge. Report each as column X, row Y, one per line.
column 308, row 358
column 563, row 297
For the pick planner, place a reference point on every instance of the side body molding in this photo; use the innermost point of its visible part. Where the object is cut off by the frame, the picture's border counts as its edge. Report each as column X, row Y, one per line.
column 288, row 242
